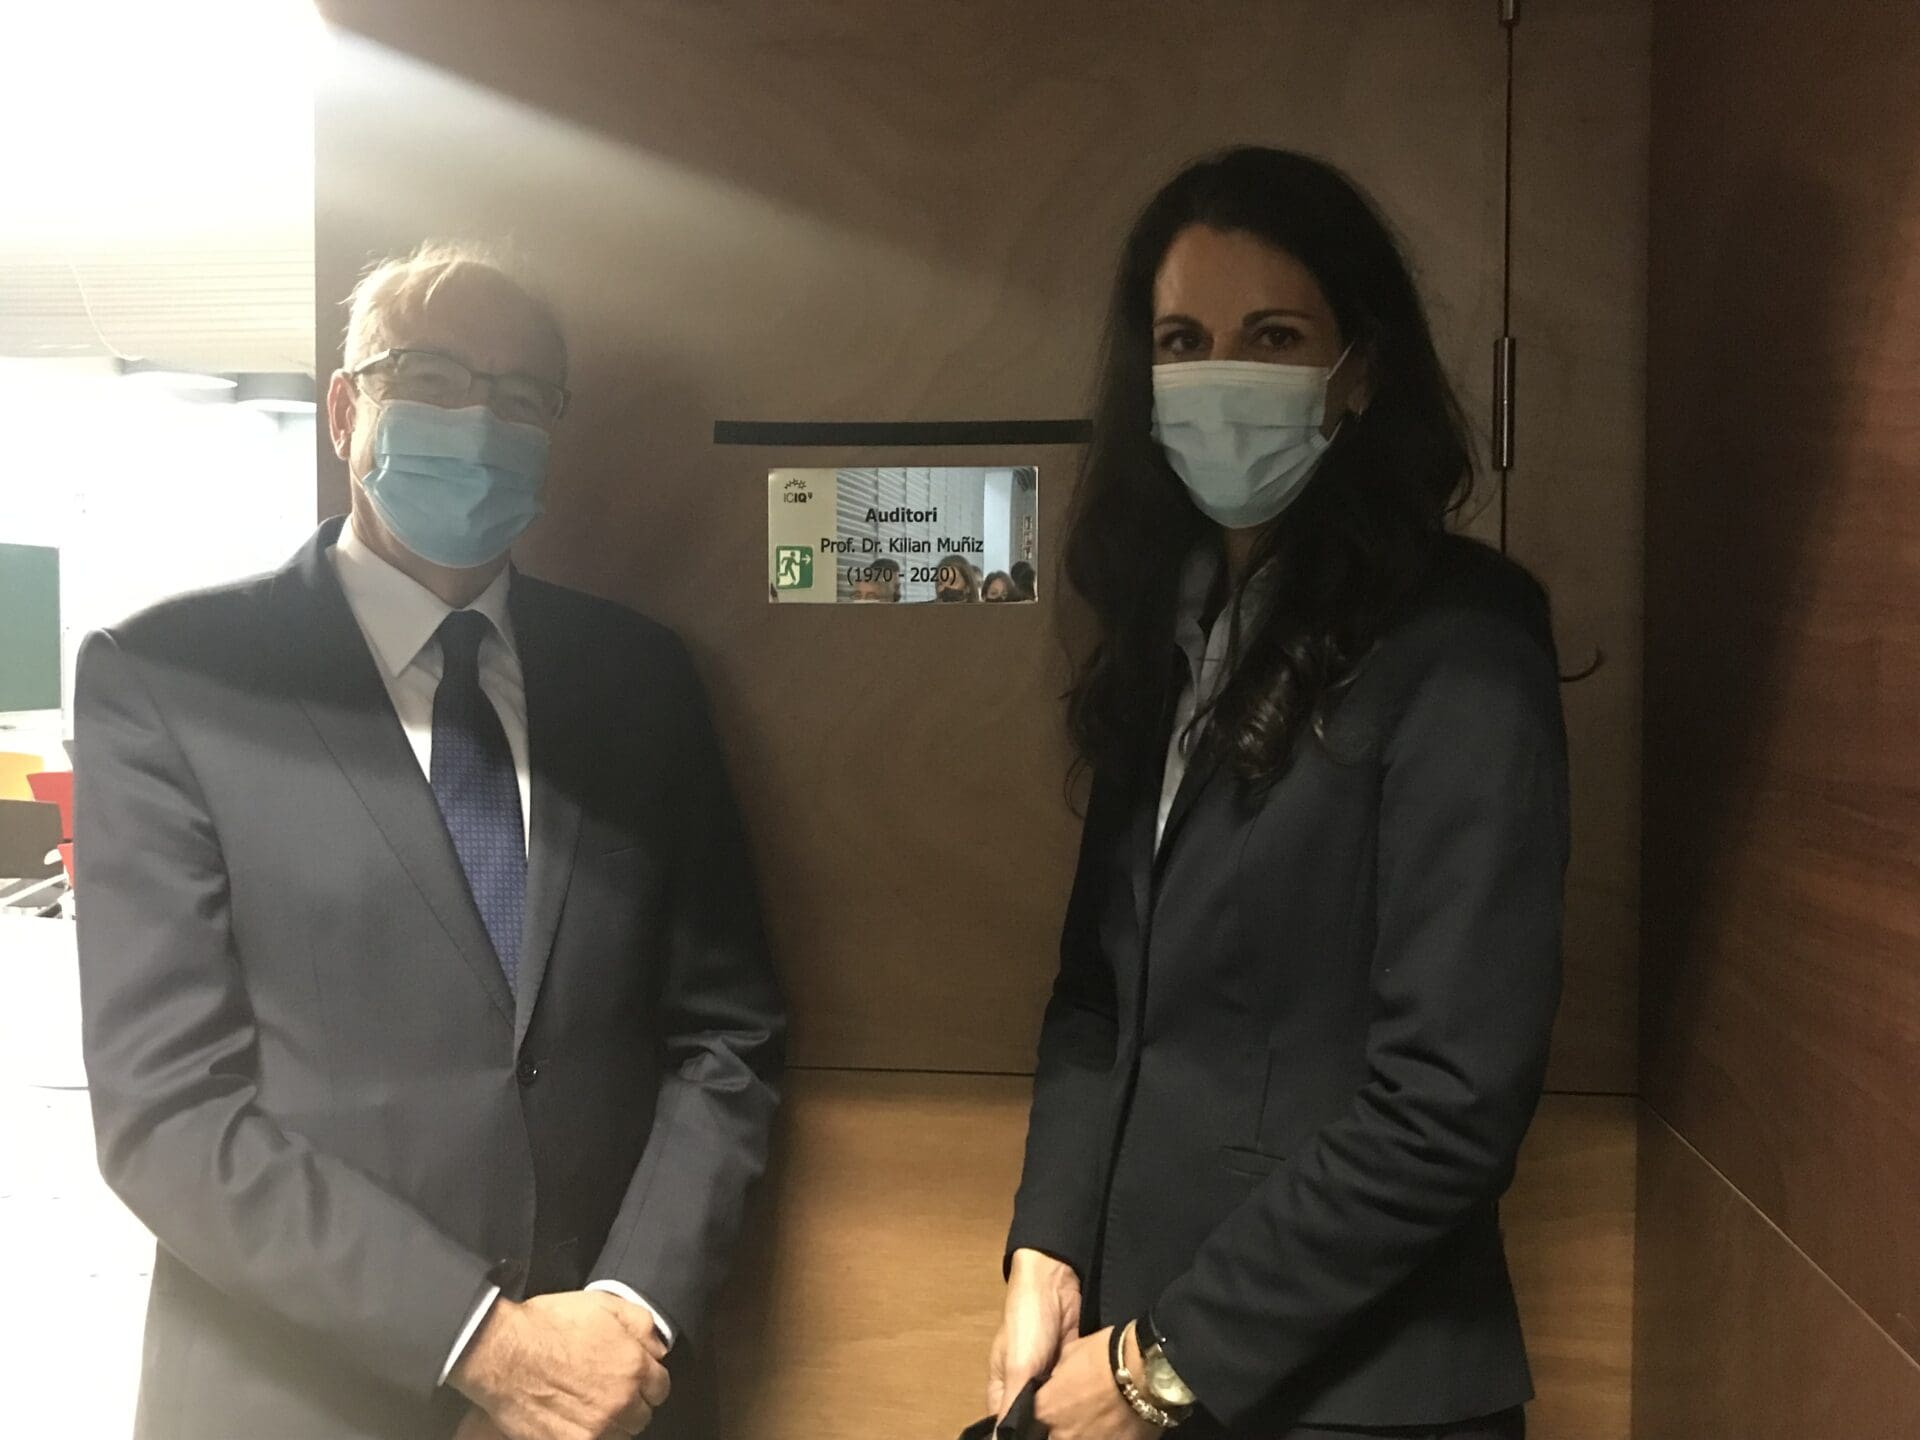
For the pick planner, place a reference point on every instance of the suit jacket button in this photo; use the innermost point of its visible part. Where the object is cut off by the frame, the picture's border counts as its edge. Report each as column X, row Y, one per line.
column 528, row 1072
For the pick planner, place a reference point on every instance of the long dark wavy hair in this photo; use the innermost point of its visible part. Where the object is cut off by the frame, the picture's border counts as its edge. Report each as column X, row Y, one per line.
column 1352, row 546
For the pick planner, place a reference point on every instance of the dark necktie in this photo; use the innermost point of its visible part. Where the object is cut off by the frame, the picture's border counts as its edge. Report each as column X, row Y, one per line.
column 474, row 783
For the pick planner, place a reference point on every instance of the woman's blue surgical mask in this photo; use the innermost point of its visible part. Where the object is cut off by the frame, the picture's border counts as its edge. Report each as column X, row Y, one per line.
column 456, row 487
column 1242, row 435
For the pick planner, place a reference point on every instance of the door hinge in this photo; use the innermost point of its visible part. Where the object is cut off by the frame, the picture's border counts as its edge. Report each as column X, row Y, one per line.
column 1505, row 358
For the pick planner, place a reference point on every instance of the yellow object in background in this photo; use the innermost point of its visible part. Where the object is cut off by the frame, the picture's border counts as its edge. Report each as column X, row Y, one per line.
column 15, row 766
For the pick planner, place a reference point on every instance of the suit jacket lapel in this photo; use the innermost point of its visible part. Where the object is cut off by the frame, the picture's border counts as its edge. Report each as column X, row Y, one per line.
column 338, row 685
column 1148, row 775
column 1146, row 807
column 1148, row 858
column 557, row 743
column 1199, row 771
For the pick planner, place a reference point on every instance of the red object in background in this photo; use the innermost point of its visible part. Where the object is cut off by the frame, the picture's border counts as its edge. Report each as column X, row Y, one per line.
column 55, row 787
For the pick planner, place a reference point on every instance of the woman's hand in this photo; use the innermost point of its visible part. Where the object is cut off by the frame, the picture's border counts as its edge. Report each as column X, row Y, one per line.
column 1081, row 1402
column 1042, row 1313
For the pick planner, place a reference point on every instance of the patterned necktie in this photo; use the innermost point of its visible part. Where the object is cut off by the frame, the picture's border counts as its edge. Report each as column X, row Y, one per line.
column 474, row 783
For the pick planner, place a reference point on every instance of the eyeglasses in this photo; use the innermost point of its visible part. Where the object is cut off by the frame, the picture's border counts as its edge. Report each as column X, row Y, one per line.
column 433, row 377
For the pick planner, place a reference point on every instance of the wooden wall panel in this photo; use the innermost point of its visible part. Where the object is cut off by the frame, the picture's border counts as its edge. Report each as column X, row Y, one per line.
column 863, row 210
column 1574, row 500
column 860, row 210
column 1569, row 1228
column 871, row 1290
column 1782, row 1003
column 1737, row 1332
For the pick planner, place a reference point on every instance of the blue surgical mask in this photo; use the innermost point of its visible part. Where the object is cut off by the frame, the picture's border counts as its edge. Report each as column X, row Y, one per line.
column 1242, row 435
column 456, row 487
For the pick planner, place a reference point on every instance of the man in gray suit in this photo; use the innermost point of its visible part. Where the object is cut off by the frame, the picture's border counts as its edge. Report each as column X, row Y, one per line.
column 428, row 1016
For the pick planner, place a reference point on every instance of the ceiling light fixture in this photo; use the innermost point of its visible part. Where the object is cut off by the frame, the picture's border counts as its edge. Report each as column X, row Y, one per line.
column 276, row 393
column 171, row 377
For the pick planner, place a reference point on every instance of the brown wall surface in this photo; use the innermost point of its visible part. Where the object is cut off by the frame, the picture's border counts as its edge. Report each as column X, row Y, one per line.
column 1738, row 1333
column 1574, row 502
column 860, row 210
column 871, row 1290
column 1781, row 1016
column 831, row 211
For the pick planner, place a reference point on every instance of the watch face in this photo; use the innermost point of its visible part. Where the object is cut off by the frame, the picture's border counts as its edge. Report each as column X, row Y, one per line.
column 1164, row 1383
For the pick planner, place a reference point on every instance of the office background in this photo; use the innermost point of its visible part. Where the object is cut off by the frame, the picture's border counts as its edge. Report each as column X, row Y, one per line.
column 863, row 210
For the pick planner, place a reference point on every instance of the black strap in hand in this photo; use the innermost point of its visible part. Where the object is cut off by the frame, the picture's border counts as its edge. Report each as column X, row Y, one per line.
column 1019, row 1423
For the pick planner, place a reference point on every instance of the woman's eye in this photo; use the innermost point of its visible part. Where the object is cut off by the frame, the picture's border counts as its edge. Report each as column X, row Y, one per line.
column 1279, row 337
column 1179, row 342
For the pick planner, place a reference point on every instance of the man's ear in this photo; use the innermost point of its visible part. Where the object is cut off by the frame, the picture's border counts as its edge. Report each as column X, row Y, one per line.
column 341, row 399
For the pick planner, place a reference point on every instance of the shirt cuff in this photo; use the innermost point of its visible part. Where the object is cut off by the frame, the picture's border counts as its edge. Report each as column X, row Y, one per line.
column 627, row 1293
column 466, row 1335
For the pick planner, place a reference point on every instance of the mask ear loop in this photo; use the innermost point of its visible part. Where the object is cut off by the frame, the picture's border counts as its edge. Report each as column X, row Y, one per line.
column 1333, row 370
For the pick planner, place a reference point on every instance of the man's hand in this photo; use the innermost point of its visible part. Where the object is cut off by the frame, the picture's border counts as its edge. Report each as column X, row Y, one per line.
column 1081, row 1402
column 576, row 1366
column 1042, row 1312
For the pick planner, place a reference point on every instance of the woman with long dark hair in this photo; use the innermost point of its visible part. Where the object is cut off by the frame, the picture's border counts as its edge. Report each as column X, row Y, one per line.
column 1312, row 953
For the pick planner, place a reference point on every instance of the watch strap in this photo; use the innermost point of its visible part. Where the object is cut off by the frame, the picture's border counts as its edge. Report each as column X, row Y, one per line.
column 1149, row 1331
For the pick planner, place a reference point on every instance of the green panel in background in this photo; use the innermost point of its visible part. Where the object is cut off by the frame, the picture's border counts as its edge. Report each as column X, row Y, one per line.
column 29, row 627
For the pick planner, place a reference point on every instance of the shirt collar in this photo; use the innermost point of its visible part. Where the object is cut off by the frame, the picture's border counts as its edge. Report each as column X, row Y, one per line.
column 397, row 612
column 1196, row 583
column 1207, row 649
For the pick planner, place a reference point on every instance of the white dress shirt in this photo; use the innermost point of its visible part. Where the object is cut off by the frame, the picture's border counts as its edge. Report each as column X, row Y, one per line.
column 400, row 618
column 1207, row 662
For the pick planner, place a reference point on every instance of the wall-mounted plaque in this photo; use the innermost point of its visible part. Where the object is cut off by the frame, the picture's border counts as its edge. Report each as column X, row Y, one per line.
column 955, row 534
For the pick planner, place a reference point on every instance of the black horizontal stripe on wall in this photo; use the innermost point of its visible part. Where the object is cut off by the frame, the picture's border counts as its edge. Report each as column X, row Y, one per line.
column 896, row 434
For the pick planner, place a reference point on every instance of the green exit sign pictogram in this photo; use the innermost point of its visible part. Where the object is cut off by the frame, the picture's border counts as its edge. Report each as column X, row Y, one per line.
column 793, row 567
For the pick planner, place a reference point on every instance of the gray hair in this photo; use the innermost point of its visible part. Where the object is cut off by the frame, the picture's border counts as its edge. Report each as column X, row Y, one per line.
column 407, row 282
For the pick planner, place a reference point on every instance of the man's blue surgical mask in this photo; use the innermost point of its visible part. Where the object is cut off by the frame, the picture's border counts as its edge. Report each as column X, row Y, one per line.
column 456, row 487
column 1242, row 435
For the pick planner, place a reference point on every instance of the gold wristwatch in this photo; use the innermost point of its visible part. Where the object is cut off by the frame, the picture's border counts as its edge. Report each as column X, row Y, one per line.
column 1160, row 1380
column 1149, row 1407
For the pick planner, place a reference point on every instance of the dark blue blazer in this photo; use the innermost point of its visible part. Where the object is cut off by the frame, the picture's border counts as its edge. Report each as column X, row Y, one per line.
column 1289, row 1061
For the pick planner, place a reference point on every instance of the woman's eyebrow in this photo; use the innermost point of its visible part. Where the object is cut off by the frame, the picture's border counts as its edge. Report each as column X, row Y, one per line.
column 1178, row 320
column 1254, row 317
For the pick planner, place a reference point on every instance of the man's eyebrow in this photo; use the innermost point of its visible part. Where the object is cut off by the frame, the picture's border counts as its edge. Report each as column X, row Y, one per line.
column 453, row 353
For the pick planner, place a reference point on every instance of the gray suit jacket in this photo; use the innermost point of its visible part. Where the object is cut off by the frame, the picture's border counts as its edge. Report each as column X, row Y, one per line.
column 309, row 1077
